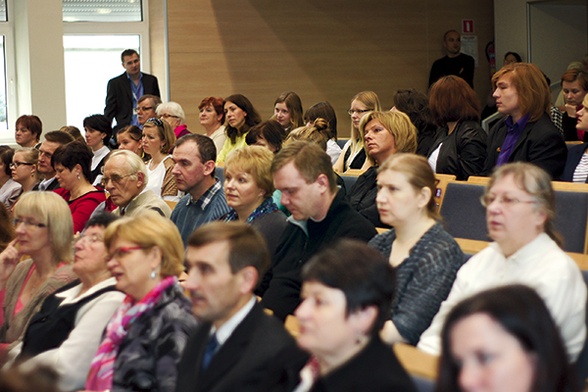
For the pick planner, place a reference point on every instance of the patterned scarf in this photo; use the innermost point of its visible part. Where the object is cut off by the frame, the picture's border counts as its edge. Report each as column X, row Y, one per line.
column 266, row 207
column 308, row 375
column 102, row 367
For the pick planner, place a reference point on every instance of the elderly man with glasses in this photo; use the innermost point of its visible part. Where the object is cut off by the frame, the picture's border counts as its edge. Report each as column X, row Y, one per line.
column 125, row 178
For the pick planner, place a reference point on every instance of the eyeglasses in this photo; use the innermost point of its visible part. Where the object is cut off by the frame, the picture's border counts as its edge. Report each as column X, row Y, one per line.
column 155, row 121
column 116, row 178
column 504, row 201
column 351, row 112
column 45, row 154
column 165, row 115
column 28, row 223
column 123, row 251
column 16, row 164
column 143, row 108
column 92, row 238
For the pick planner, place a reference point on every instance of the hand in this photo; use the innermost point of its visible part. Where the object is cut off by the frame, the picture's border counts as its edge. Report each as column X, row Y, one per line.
column 8, row 260
column 571, row 110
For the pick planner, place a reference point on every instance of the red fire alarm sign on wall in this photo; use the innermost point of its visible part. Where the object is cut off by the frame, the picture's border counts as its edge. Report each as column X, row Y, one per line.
column 467, row 26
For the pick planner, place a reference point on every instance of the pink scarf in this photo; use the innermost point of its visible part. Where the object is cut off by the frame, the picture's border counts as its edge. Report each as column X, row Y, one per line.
column 102, row 367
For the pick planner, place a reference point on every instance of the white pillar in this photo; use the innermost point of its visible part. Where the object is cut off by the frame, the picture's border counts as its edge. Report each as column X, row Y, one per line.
column 40, row 76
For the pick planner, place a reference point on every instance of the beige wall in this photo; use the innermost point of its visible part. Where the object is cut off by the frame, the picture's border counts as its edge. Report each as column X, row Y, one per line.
column 323, row 50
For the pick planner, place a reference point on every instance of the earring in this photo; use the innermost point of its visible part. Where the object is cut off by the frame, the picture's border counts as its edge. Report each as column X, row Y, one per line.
column 79, row 176
column 153, row 274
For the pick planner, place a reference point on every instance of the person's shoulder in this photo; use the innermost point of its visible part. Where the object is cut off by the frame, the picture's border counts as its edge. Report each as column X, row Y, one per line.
column 118, row 78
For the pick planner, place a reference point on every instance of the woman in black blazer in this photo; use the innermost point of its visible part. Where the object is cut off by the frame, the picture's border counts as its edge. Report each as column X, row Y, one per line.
column 460, row 144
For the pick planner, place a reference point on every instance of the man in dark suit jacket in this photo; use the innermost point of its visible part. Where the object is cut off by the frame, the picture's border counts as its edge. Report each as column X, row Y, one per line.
column 237, row 347
column 124, row 91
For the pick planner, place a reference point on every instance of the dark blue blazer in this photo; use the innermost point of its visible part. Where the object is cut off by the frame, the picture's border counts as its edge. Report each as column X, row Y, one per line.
column 574, row 156
column 119, row 98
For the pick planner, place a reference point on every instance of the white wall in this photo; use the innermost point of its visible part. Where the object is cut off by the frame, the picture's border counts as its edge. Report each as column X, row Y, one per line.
column 40, row 78
column 558, row 32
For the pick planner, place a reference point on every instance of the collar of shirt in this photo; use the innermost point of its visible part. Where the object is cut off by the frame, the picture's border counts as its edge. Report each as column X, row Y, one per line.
column 226, row 330
column 206, row 198
column 518, row 126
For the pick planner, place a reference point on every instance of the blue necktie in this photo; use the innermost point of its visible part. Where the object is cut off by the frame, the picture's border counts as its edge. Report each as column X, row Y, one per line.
column 211, row 348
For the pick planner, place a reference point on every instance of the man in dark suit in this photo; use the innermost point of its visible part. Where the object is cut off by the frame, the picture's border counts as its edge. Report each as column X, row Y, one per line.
column 124, row 91
column 53, row 140
column 237, row 346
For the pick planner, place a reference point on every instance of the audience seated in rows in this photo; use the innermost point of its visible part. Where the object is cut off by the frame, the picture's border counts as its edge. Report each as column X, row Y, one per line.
column 53, row 140
column 237, row 345
column 241, row 116
column 303, row 172
column 144, row 340
column 125, row 179
column 288, row 111
column 353, row 155
column 520, row 204
column 425, row 257
column 459, row 147
column 249, row 188
column 325, row 111
column 98, row 133
column 158, row 140
column 204, row 201
column 72, row 170
column 67, row 330
column 415, row 105
column 347, row 293
column 28, row 130
column 576, row 168
column 384, row 134
column 503, row 339
column 212, row 118
column 10, row 190
column 44, row 233
column 526, row 133
column 172, row 113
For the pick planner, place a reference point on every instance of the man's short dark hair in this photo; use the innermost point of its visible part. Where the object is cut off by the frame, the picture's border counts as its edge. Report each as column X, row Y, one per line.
column 59, row 137
column 247, row 248
column 127, row 52
column 206, row 147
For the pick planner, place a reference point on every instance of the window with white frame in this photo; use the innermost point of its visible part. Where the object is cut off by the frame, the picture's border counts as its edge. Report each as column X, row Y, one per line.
column 95, row 34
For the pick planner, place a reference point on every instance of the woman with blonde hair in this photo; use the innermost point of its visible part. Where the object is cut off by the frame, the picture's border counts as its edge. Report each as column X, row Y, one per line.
column 384, row 134
column 44, row 232
column 248, row 189
column 426, row 258
column 24, row 168
column 353, row 154
column 143, row 341
column 158, row 140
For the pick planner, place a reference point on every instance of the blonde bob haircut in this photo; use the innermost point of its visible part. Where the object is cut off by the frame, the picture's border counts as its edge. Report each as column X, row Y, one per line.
column 255, row 161
column 148, row 230
column 399, row 126
column 534, row 97
column 537, row 183
column 419, row 174
column 50, row 209
column 165, row 132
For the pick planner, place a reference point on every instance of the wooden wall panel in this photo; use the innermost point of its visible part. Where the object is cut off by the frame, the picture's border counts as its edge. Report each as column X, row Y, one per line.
column 323, row 50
